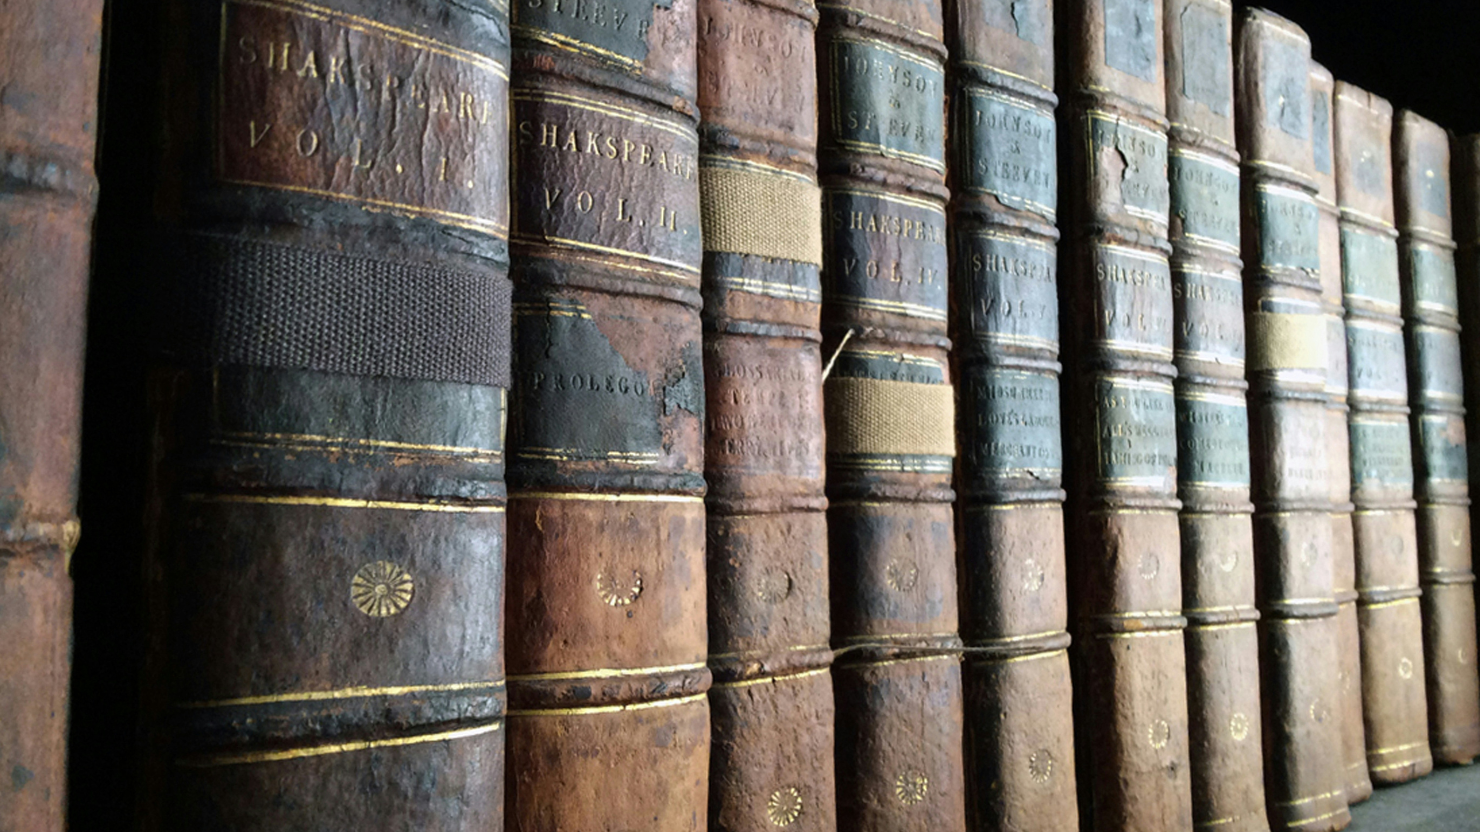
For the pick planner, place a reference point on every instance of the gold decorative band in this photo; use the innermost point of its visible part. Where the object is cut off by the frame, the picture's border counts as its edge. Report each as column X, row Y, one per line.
column 613, row 709
column 214, row 760
column 341, row 693
column 757, row 211
column 879, row 416
column 343, row 502
column 1283, row 342
column 766, row 680
column 605, row 673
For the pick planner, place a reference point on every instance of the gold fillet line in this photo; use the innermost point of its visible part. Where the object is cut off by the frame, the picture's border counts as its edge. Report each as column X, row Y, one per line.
column 1400, row 764
column 1331, row 814
column 1383, row 604
column 603, row 673
column 1312, row 799
column 215, row 760
column 1030, row 242
column 667, row 124
column 342, row 502
column 883, row 46
column 580, row 245
column 952, row 653
column 573, row 45
column 605, row 498
column 612, row 709
column 349, row 440
column 878, row 17
column 1032, row 657
column 1392, row 748
column 452, row 217
column 999, row 71
column 782, row 677
column 342, row 693
column 887, row 196
column 1162, row 633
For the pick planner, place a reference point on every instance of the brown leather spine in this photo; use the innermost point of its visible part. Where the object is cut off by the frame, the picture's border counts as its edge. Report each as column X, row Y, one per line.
column 772, row 700
column 1437, row 424
column 1123, row 543
column 1394, row 708
column 330, row 403
column 1287, row 368
column 889, row 411
column 48, row 191
column 1338, row 452
column 606, row 610
column 1020, row 732
column 1213, row 482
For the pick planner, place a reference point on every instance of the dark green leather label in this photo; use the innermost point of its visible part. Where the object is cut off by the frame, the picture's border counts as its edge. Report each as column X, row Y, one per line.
column 1375, row 360
column 1009, row 291
column 1010, row 153
column 1130, row 37
column 1320, row 115
column 1437, row 360
column 1435, row 286
column 1205, row 58
column 1133, row 301
column 887, row 100
column 1381, row 456
column 888, row 366
column 1010, row 426
column 1144, row 189
column 1135, row 432
column 1369, row 267
column 1444, row 455
column 886, row 253
column 1210, row 315
column 1212, row 441
column 612, row 29
column 1204, row 199
column 1288, row 224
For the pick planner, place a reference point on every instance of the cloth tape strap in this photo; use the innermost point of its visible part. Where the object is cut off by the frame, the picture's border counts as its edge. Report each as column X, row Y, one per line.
column 762, row 214
column 268, row 305
column 1281, row 341
column 887, row 418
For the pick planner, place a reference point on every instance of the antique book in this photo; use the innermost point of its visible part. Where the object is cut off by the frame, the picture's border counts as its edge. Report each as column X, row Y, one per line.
column 1421, row 174
column 1019, row 704
column 606, row 595
column 328, row 415
column 1338, row 457
column 48, row 123
column 1222, row 642
column 1394, row 710
column 890, row 416
column 1287, row 365
column 771, row 760
column 1123, row 547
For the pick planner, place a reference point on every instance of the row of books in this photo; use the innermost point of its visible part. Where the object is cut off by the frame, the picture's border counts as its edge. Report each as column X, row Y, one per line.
column 794, row 524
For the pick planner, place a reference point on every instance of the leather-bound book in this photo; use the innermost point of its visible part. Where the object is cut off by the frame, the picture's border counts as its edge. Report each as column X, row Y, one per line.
column 48, row 122
column 1287, row 365
column 890, row 416
column 1213, row 482
column 1019, row 704
column 1118, row 329
column 606, row 598
column 1421, row 173
column 1338, row 453
column 771, row 760
column 1394, row 707
column 328, row 415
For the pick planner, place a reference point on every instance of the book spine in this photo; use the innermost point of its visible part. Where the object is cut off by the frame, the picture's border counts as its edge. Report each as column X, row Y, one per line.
column 769, row 651
column 1287, row 367
column 607, row 589
column 1338, row 450
column 1383, row 523
column 1123, row 537
column 1213, row 422
column 1436, row 397
column 331, row 396
column 48, row 192
column 1020, row 733
column 890, row 415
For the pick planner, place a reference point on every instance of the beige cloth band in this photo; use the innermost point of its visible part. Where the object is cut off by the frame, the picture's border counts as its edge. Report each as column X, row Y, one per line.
column 1287, row 342
column 875, row 416
column 763, row 214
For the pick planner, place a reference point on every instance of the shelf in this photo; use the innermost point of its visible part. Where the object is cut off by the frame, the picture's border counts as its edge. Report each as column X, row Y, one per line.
column 1446, row 801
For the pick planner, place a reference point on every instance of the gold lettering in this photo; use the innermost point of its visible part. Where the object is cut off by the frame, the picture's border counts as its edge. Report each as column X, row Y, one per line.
column 551, row 197
column 356, row 162
column 310, row 68
column 336, row 72
column 313, row 143
column 585, row 202
column 276, row 60
column 253, row 137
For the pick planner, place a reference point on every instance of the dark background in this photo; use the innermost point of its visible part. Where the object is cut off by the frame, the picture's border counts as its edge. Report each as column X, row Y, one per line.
column 1422, row 55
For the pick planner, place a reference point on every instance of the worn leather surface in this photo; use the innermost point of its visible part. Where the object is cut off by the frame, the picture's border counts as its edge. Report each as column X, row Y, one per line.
column 1289, row 333
column 1421, row 174
column 1338, row 455
column 772, row 760
column 48, row 190
column 1213, row 422
column 607, row 610
column 1117, row 300
column 1383, row 525
column 327, row 581
column 1020, row 752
